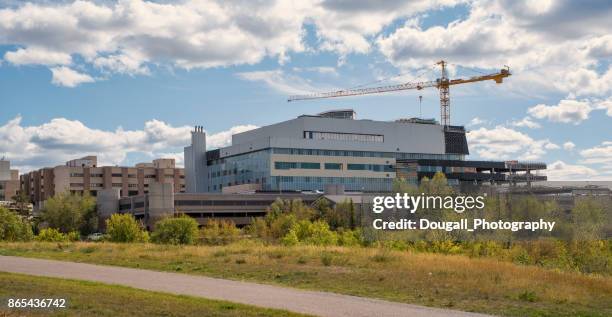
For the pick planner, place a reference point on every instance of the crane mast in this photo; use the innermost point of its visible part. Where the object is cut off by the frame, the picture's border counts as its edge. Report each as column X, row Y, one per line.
column 444, row 95
column 443, row 84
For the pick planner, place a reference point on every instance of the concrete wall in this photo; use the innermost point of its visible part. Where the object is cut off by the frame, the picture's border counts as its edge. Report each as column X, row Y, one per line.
column 107, row 203
column 161, row 203
column 196, row 170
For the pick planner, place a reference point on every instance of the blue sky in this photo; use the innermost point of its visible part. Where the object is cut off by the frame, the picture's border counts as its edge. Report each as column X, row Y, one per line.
column 127, row 79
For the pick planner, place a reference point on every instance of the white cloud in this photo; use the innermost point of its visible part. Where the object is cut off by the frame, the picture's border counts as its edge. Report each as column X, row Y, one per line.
column 569, row 145
column 601, row 154
column 548, row 48
column 551, row 146
column 476, row 121
column 280, row 81
column 567, row 111
column 129, row 63
column 54, row 142
column 346, row 26
column 318, row 69
column 224, row 138
column 124, row 36
column 67, row 77
column 527, row 123
column 40, row 56
column 505, row 143
column 560, row 170
column 605, row 105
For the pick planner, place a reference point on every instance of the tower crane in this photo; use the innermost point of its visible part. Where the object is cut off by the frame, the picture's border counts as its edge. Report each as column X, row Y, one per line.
column 443, row 84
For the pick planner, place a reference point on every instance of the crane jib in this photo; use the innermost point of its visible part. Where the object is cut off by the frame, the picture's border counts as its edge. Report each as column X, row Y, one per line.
column 442, row 84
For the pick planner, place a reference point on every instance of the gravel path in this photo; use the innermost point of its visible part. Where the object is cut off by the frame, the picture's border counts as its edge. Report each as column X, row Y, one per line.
column 301, row 301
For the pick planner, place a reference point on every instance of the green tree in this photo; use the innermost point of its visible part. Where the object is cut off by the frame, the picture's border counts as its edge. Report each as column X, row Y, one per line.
column 22, row 203
column 125, row 228
column 296, row 207
column 71, row 212
column 437, row 185
column 13, row 227
column 176, row 230
column 341, row 216
column 400, row 185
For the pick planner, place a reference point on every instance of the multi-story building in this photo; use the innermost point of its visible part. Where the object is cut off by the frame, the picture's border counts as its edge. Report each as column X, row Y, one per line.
column 83, row 175
column 9, row 180
column 334, row 148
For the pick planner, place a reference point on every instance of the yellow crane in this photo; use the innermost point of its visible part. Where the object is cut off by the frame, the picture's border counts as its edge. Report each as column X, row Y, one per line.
column 443, row 84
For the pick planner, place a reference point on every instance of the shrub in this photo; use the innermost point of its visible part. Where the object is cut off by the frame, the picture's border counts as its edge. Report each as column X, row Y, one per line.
column 219, row 232
column 73, row 236
column 383, row 255
column 349, row 238
column 178, row 230
column 528, row 296
column 124, row 228
column 317, row 233
column 13, row 227
column 326, row 258
column 290, row 239
column 51, row 235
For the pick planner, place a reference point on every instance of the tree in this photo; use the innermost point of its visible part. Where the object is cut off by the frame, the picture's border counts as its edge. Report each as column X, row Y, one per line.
column 400, row 185
column 13, row 227
column 22, row 202
column 177, row 230
column 437, row 185
column 71, row 212
column 125, row 228
column 588, row 219
column 296, row 207
column 341, row 216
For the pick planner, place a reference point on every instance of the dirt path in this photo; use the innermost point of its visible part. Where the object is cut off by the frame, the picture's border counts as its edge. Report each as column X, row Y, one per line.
column 301, row 301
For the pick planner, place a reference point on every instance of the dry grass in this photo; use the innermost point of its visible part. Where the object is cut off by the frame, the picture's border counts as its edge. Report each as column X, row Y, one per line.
column 451, row 281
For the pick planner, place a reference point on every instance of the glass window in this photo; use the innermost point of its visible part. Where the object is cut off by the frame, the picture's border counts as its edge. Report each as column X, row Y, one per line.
column 356, row 167
column 333, row 166
column 311, row 166
column 350, row 137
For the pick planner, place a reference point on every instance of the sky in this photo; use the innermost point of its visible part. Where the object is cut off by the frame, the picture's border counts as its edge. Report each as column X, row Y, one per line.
column 127, row 80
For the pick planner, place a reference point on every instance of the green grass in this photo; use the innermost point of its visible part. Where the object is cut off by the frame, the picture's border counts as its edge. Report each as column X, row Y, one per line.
column 448, row 281
column 95, row 299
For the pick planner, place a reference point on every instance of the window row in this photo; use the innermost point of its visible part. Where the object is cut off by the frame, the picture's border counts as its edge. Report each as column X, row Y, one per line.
column 350, row 137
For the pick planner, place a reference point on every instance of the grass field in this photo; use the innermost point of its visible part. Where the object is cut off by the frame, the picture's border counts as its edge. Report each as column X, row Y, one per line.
column 448, row 281
column 95, row 299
